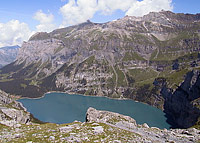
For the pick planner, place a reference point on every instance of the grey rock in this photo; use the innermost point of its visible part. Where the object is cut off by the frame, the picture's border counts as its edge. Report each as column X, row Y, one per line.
column 179, row 104
column 17, row 136
column 125, row 124
column 145, row 125
column 15, row 115
column 17, row 125
column 98, row 129
column 152, row 134
column 52, row 138
column 94, row 115
column 66, row 129
column 95, row 124
column 4, row 98
column 116, row 141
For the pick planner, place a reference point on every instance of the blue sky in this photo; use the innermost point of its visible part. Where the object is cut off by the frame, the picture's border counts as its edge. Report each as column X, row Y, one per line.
column 24, row 10
column 31, row 16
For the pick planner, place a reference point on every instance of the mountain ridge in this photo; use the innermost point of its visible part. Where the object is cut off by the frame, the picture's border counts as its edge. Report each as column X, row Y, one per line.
column 8, row 55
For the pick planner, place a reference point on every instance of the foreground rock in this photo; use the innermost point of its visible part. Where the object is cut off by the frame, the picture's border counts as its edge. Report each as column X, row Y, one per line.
column 146, row 133
column 12, row 112
column 101, row 126
column 94, row 115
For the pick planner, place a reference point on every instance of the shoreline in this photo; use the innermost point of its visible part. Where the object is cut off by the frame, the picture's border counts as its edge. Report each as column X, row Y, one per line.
column 83, row 95
column 73, row 93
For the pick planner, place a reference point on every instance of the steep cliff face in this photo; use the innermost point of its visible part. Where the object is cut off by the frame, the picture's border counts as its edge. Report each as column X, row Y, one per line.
column 118, row 59
column 183, row 103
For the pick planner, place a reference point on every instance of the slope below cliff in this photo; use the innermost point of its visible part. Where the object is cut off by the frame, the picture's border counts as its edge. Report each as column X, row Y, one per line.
column 183, row 104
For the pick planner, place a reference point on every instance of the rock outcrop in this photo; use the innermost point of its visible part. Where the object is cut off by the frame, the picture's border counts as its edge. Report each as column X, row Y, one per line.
column 183, row 104
column 4, row 98
column 12, row 112
column 94, row 115
column 152, row 134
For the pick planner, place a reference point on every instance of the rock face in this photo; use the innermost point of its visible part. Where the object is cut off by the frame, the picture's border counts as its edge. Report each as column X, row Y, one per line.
column 8, row 55
column 118, row 59
column 94, row 115
column 4, row 98
column 18, row 115
column 11, row 111
column 183, row 103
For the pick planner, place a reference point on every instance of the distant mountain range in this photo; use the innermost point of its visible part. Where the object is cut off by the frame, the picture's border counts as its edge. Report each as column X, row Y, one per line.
column 8, row 55
column 153, row 59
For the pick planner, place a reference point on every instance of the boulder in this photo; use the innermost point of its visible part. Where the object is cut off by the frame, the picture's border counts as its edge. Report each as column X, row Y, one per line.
column 94, row 115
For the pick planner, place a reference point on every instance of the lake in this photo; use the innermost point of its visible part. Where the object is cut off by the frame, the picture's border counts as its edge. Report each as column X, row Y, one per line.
column 65, row 108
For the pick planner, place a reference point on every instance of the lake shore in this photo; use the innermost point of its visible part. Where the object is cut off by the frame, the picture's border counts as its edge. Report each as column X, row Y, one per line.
column 60, row 108
column 73, row 93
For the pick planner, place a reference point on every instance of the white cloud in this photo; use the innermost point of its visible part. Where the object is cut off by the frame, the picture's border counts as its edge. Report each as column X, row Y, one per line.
column 46, row 22
column 75, row 12
column 13, row 33
column 81, row 11
column 141, row 8
column 109, row 6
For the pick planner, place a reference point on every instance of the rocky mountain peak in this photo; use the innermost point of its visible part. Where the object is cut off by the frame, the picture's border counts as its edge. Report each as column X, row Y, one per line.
column 39, row 36
column 182, row 17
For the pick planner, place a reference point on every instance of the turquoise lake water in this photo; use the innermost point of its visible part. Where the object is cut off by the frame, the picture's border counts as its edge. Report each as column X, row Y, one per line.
column 65, row 108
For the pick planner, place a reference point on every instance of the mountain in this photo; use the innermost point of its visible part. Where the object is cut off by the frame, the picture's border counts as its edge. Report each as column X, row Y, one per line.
column 147, row 59
column 8, row 55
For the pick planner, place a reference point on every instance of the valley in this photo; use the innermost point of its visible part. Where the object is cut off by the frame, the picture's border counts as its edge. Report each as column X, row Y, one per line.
column 152, row 59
